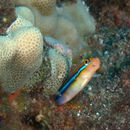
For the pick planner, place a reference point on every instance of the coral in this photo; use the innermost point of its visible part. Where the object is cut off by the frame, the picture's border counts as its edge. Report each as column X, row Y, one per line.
column 19, row 23
column 21, row 54
column 67, row 33
column 59, row 46
column 45, row 7
column 104, row 103
column 58, row 25
column 55, row 68
column 25, row 12
column 59, row 72
column 60, row 57
column 63, row 23
column 69, row 28
column 46, row 24
column 77, row 12
column 45, row 14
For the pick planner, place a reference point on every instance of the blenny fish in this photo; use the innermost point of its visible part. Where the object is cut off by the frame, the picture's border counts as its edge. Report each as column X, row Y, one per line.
column 78, row 81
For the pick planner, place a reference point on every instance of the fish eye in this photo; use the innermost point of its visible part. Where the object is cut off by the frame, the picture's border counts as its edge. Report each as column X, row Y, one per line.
column 86, row 61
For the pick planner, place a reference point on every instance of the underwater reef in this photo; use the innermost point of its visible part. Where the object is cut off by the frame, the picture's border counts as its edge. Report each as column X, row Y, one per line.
column 42, row 42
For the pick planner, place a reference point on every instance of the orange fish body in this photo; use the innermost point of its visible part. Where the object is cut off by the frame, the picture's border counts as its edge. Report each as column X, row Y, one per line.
column 78, row 81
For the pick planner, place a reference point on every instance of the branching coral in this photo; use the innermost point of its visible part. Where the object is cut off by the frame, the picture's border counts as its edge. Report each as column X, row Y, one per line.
column 20, row 54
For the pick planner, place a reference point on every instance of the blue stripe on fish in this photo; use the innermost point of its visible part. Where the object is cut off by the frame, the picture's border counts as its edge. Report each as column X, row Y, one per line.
column 68, row 84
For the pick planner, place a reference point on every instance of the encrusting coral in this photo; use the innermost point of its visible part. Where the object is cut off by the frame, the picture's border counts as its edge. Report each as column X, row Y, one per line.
column 20, row 54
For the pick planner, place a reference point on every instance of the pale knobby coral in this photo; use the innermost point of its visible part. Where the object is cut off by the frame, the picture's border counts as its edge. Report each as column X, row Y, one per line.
column 67, row 33
column 50, row 23
column 20, row 54
column 78, row 13
column 45, row 7
column 44, row 13
column 20, row 22
column 60, row 57
column 46, row 24
column 25, row 12
column 56, row 66
column 68, row 24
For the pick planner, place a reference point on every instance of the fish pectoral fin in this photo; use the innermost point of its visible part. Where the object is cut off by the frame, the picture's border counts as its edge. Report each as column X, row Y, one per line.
column 96, row 75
